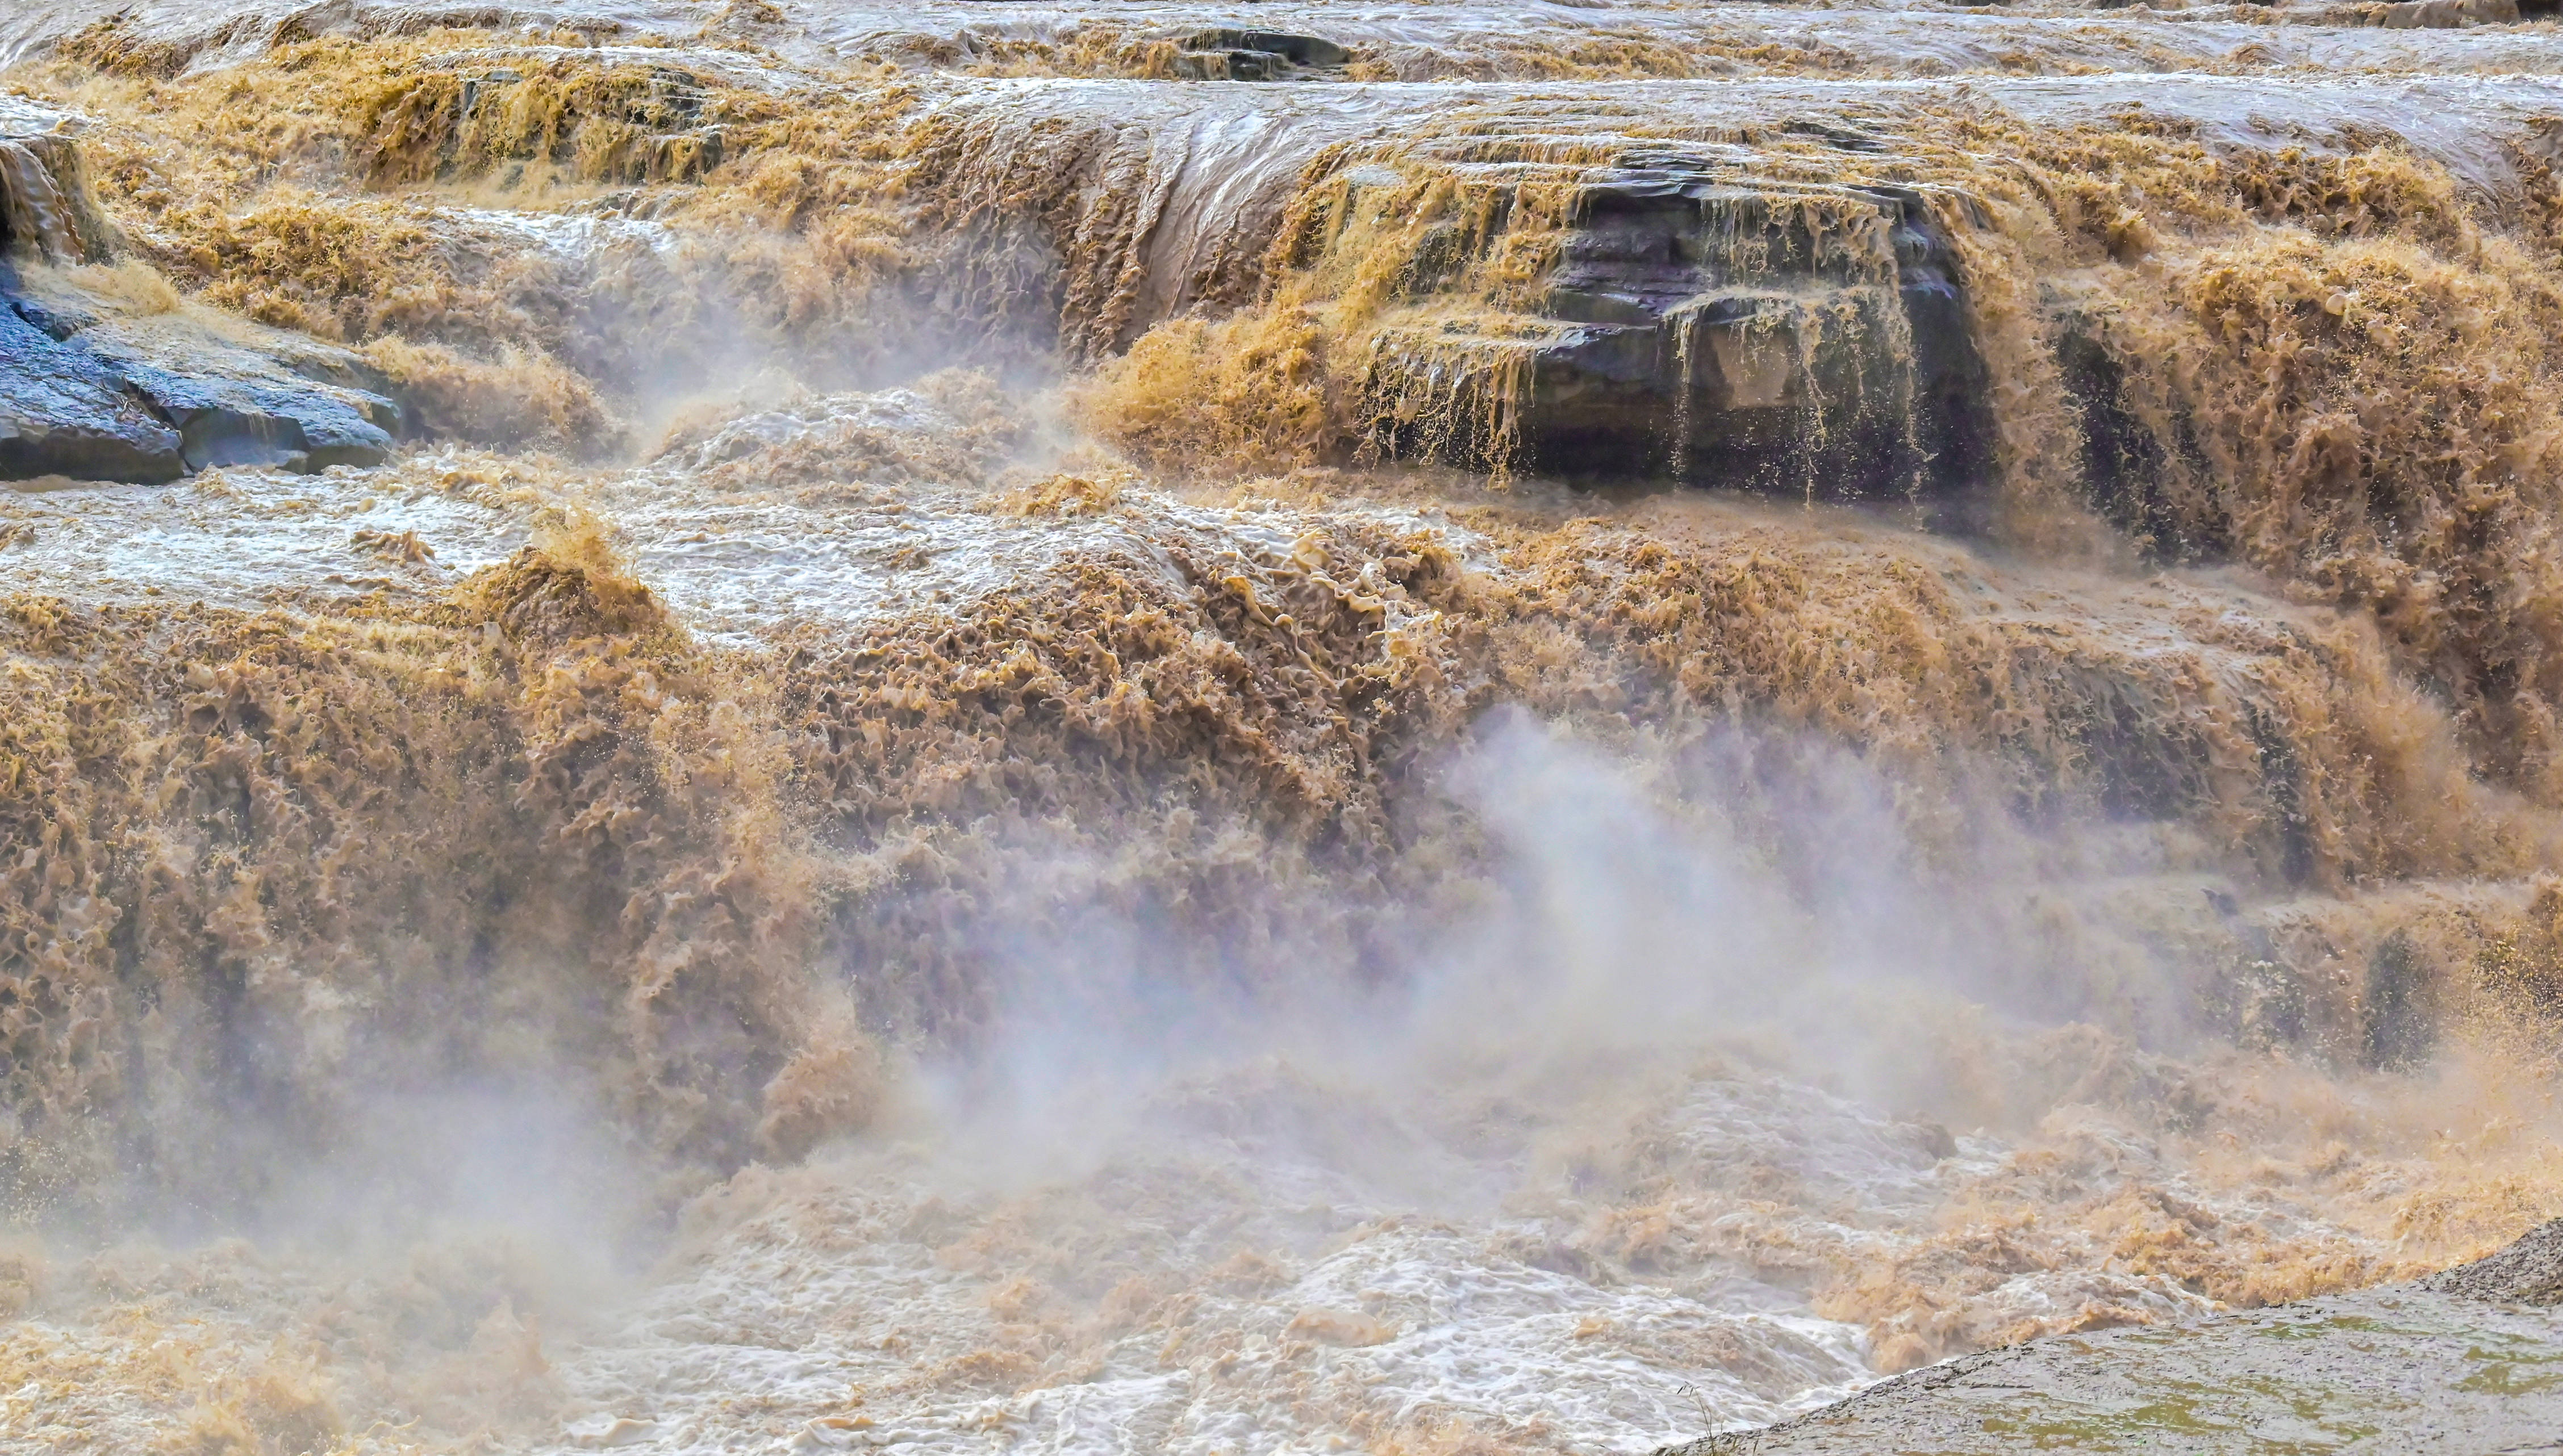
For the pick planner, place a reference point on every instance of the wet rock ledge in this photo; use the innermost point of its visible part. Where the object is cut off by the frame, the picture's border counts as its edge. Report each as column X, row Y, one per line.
column 2469, row 1361
column 106, row 378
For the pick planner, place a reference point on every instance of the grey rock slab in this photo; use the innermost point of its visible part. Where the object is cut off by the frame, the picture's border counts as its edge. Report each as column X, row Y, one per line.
column 252, row 422
column 65, row 412
column 243, row 403
column 2468, row 1362
column 146, row 401
column 95, row 390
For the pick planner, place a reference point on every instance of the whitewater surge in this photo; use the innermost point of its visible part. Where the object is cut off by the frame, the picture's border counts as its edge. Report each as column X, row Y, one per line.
column 1431, row 729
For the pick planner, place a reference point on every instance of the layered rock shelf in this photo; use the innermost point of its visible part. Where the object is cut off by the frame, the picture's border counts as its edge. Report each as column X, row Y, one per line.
column 93, row 387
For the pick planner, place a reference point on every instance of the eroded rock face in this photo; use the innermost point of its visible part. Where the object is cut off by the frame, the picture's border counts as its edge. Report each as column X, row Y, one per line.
column 1721, row 340
column 1228, row 54
column 95, row 389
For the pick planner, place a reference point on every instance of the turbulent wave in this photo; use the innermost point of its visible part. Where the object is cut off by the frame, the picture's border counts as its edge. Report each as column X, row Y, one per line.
column 1031, row 746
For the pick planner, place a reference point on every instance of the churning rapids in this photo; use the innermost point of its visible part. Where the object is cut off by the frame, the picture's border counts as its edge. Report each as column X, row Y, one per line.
column 795, row 725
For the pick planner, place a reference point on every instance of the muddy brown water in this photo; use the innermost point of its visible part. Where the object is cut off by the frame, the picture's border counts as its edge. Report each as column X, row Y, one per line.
column 1568, row 727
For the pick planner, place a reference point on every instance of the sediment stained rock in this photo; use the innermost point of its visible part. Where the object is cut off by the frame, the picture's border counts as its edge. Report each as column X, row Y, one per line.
column 1229, row 54
column 1534, row 292
column 1816, row 344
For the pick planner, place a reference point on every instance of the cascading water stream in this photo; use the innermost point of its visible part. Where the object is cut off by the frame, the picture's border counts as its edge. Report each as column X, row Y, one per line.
column 814, row 728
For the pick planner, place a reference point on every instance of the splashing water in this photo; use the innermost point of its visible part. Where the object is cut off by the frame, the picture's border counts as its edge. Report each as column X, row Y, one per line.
column 974, row 785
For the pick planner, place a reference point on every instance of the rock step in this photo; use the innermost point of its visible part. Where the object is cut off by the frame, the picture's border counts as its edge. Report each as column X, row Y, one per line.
column 93, row 391
column 65, row 412
column 1254, row 55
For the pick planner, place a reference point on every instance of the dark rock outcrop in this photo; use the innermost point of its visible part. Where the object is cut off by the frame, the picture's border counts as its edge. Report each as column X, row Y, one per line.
column 93, row 389
column 1725, row 339
column 65, row 412
column 1728, row 331
column 1254, row 55
column 2528, row 1272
